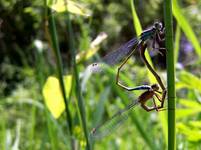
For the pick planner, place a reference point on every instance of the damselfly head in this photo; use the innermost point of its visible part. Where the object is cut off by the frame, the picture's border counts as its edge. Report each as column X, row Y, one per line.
column 95, row 68
column 155, row 87
column 93, row 131
column 158, row 26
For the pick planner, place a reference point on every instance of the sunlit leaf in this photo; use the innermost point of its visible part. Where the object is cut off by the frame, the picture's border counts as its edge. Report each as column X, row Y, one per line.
column 72, row 6
column 180, row 85
column 53, row 95
column 192, row 134
column 138, row 29
column 136, row 20
column 183, row 113
column 185, row 26
column 196, row 124
column 68, row 84
column 188, row 80
column 189, row 103
column 164, row 124
column 177, row 43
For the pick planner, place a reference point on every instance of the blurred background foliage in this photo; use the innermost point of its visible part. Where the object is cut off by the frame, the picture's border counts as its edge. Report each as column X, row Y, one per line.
column 27, row 60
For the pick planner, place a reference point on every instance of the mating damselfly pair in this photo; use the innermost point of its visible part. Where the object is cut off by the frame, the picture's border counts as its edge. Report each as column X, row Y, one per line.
column 154, row 33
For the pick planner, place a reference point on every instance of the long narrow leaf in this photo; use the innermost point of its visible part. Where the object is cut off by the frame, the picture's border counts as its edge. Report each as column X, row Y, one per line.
column 138, row 29
column 55, row 45
column 185, row 26
column 188, row 80
column 78, row 93
column 177, row 43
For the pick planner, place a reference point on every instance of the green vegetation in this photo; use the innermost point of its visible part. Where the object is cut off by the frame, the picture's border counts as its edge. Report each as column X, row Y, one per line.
column 40, row 42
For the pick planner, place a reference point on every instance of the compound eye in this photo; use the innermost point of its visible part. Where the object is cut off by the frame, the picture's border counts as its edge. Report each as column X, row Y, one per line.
column 158, row 25
column 155, row 87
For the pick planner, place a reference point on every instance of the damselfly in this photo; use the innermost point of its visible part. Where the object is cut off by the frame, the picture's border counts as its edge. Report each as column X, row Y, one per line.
column 121, row 116
column 155, row 32
column 127, row 51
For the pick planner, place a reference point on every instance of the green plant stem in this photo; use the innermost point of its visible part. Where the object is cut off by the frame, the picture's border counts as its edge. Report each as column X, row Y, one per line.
column 170, row 74
column 76, row 77
column 55, row 45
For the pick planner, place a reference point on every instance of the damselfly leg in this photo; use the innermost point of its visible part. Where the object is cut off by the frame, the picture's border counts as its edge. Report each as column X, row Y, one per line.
column 142, row 54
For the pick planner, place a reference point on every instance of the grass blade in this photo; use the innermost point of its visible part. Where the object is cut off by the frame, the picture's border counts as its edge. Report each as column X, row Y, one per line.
column 55, row 45
column 76, row 77
column 138, row 29
column 185, row 26
column 177, row 43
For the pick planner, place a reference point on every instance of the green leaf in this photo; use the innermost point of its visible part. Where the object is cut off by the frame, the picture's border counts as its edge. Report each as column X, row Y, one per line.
column 188, row 80
column 196, row 124
column 191, row 108
column 53, row 95
column 99, row 110
column 73, row 7
column 138, row 29
column 183, row 113
column 164, row 125
column 136, row 20
column 177, row 42
column 192, row 134
column 185, row 26
column 189, row 103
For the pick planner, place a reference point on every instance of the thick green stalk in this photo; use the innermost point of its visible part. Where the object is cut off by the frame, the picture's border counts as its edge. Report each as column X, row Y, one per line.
column 170, row 74
column 55, row 45
column 76, row 77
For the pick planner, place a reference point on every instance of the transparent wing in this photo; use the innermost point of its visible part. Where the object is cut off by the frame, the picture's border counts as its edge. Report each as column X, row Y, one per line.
column 113, row 123
column 115, row 56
